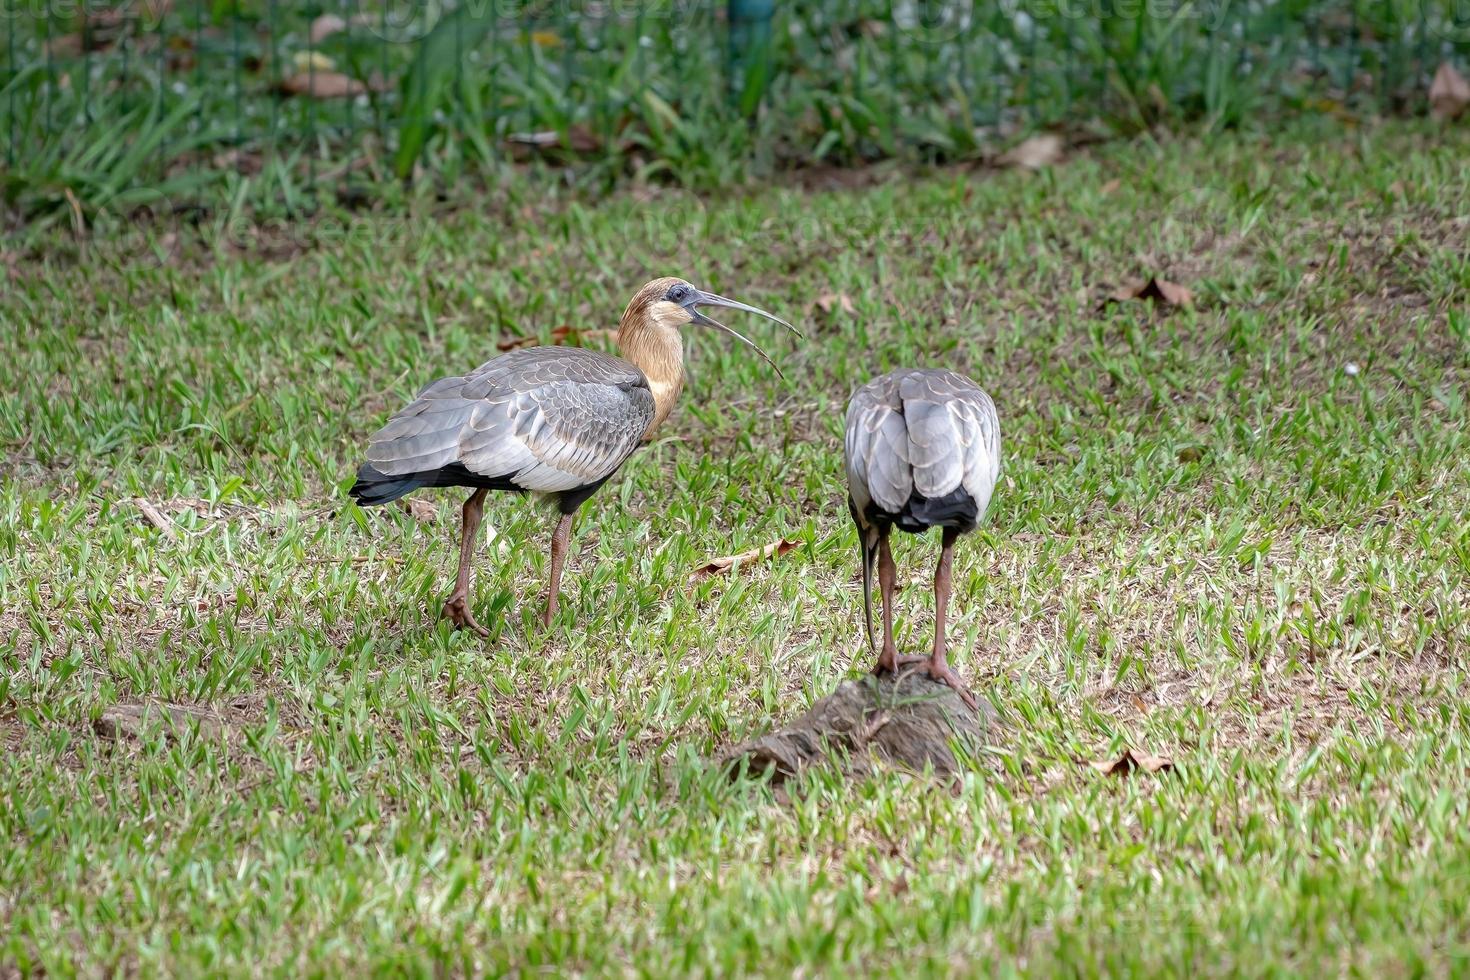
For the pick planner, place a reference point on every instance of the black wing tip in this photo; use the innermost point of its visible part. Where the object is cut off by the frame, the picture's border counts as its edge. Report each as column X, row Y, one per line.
column 956, row 509
column 374, row 487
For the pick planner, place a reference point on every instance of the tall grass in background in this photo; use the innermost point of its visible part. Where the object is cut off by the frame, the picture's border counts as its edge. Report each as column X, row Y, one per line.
column 257, row 102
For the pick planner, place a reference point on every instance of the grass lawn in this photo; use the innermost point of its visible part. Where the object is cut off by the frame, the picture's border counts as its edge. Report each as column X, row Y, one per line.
column 1235, row 534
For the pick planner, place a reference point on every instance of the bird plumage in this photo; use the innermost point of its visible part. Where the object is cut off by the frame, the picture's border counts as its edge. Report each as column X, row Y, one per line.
column 922, row 451
column 551, row 420
column 542, row 419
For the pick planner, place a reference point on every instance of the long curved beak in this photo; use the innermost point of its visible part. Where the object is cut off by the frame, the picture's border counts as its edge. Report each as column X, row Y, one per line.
column 710, row 299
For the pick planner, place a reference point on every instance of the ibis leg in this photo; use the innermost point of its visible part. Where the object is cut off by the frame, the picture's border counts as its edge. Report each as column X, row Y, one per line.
column 888, row 659
column 457, row 606
column 939, row 668
column 560, row 539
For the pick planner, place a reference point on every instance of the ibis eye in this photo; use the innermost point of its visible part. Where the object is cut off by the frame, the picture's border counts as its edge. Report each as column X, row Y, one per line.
column 679, row 294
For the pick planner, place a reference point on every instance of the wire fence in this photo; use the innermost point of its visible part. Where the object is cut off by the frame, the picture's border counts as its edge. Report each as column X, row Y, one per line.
column 106, row 106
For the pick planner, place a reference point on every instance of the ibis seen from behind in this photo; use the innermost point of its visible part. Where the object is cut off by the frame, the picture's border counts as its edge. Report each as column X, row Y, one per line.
column 922, row 453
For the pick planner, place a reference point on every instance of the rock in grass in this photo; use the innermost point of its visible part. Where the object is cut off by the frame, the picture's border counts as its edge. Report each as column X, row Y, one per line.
column 138, row 720
column 909, row 721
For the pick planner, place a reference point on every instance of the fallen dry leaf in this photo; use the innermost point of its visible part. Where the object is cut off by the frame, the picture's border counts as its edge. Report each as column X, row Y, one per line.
column 530, row 340
column 717, row 566
column 154, row 516
column 1152, row 288
column 542, row 137
column 1034, row 153
column 322, row 85
column 827, row 302
column 325, row 26
column 240, row 160
column 1110, row 186
column 578, row 139
column 136, row 720
column 422, row 510
column 1133, row 759
column 1449, row 93
column 560, row 336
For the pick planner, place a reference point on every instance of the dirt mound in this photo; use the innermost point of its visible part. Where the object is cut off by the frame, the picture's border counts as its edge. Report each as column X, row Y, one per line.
column 908, row 721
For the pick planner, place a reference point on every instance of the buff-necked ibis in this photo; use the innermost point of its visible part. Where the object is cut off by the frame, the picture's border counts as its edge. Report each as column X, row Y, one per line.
column 923, row 452
column 556, row 421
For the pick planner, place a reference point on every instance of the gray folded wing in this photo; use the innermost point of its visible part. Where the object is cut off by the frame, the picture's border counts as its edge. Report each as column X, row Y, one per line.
column 924, row 431
column 877, row 447
column 545, row 419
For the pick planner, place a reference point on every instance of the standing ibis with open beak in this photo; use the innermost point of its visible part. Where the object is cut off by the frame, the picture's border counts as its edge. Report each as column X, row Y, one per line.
column 557, row 421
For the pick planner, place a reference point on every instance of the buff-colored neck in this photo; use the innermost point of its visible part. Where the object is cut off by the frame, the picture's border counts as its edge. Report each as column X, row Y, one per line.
column 653, row 344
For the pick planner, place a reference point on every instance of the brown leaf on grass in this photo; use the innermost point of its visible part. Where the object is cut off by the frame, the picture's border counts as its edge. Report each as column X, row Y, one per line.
column 1130, row 760
column 325, row 26
column 422, row 510
column 560, row 336
column 530, row 340
column 1110, row 186
column 136, row 721
column 239, row 159
column 322, row 85
column 827, row 302
column 718, row 566
column 542, row 137
column 1153, row 288
column 578, row 138
column 1039, row 151
column 155, row 517
column 1449, row 93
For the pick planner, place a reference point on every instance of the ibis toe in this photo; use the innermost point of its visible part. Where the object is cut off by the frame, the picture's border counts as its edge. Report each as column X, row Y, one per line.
column 457, row 611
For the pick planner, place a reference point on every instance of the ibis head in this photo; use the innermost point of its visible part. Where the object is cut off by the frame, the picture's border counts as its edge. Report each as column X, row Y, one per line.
column 668, row 304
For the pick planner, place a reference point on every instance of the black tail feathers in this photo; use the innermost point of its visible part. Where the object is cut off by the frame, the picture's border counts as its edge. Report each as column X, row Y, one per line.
column 374, row 487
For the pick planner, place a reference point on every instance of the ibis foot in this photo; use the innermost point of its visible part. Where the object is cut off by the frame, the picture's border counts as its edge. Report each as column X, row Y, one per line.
column 457, row 611
column 889, row 662
column 940, row 671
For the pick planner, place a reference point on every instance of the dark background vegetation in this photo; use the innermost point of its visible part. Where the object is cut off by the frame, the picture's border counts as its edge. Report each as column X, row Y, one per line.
column 107, row 108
